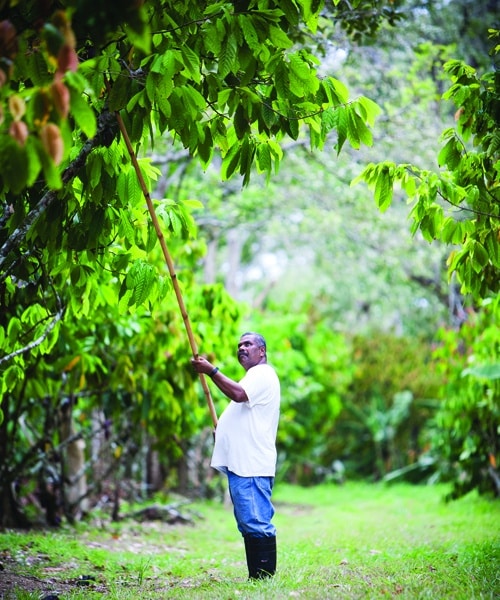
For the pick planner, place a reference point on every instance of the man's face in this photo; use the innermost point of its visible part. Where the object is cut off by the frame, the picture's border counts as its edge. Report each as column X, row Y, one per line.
column 249, row 353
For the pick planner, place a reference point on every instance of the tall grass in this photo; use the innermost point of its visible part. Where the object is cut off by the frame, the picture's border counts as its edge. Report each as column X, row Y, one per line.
column 351, row 541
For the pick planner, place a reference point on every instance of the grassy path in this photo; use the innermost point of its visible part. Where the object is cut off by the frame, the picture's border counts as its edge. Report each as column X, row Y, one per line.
column 354, row 541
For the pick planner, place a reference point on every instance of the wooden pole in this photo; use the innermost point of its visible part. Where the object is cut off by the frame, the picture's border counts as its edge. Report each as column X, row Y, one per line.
column 169, row 262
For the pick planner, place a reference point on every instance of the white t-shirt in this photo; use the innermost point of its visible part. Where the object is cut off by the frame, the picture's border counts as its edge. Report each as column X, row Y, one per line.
column 245, row 438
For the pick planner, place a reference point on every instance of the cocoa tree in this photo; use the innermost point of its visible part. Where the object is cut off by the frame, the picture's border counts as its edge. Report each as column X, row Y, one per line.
column 77, row 250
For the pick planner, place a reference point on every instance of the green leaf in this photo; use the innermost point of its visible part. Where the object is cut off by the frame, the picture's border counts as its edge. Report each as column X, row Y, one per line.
column 480, row 257
column 485, row 371
column 193, row 100
column 83, row 114
column 176, row 224
column 138, row 31
column 246, row 160
column 384, row 188
column 449, row 231
column 205, row 145
column 120, row 93
column 231, row 161
column 281, row 80
column 372, row 109
column 311, row 12
column 50, row 171
column 191, row 63
column 37, row 69
column 163, row 89
column 212, row 38
column 337, row 90
column 139, row 281
column 299, row 74
column 491, row 242
column 279, row 38
column 227, row 58
column 133, row 188
column 359, row 122
column 94, row 168
column 450, row 155
column 16, row 160
column 240, row 120
column 341, row 119
column 264, row 162
column 127, row 230
column 12, row 376
column 249, row 32
column 13, row 330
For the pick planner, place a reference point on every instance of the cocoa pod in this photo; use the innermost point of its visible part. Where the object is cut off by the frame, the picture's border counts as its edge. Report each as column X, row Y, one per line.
column 19, row 131
column 52, row 141
column 60, row 98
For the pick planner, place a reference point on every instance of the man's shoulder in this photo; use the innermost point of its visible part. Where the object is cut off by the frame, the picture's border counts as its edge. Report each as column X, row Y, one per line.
column 262, row 367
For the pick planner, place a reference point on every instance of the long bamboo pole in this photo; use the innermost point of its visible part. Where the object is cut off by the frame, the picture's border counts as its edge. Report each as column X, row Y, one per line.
column 168, row 260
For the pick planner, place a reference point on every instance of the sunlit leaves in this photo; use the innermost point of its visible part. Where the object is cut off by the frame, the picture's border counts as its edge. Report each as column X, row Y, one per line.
column 139, row 282
column 222, row 82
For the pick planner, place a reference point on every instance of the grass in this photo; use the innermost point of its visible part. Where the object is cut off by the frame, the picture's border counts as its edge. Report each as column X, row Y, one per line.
column 338, row 542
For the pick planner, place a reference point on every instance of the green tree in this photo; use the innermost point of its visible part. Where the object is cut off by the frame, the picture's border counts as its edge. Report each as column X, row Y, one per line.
column 466, row 427
column 383, row 425
column 223, row 78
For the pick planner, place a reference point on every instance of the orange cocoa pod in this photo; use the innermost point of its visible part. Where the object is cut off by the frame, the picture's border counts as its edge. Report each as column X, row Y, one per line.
column 8, row 40
column 67, row 60
column 19, row 131
column 52, row 141
column 60, row 97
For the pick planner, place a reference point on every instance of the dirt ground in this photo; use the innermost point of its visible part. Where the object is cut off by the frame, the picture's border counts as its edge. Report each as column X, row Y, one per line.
column 51, row 584
column 49, row 587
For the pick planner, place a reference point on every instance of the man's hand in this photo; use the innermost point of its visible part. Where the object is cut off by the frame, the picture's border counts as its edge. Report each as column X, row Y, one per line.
column 227, row 386
column 202, row 365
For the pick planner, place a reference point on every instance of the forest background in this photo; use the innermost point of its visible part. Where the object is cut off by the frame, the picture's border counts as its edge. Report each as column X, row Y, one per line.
column 380, row 308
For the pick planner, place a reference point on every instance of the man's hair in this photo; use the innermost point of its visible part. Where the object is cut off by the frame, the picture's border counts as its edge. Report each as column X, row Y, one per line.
column 260, row 339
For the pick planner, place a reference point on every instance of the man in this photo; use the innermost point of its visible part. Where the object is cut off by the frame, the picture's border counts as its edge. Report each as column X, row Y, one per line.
column 245, row 448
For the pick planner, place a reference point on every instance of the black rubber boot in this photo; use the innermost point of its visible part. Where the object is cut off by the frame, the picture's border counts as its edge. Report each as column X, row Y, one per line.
column 261, row 556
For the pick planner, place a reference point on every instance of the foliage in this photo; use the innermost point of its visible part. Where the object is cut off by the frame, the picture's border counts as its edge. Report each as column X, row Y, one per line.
column 78, row 253
column 383, row 423
column 128, row 380
column 87, row 314
column 309, row 241
column 466, row 438
column 460, row 204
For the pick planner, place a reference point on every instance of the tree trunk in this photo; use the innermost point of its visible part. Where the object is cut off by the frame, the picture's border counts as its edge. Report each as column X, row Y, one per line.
column 73, row 465
column 155, row 475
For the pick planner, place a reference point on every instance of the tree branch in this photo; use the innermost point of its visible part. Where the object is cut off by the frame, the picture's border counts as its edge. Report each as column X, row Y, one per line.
column 468, row 209
column 38, row 341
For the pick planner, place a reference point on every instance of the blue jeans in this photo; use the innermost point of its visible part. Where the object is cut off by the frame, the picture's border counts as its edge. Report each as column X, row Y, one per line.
column 252, row 504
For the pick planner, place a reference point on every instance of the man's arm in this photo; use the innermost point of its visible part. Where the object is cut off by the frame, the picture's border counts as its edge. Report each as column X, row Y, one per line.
column 230, row 388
